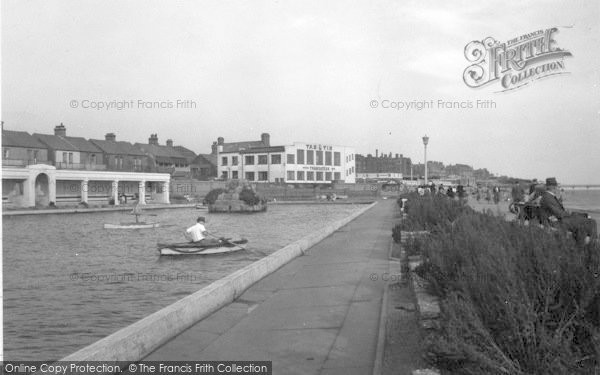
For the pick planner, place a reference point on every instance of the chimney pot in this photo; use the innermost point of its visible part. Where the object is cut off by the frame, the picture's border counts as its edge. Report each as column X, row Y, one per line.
column 170, row 142
column 60, row 130
column 220, row 141
column 110, row 137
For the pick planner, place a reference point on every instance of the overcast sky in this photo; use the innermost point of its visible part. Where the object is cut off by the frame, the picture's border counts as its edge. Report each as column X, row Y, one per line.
column 307, row 71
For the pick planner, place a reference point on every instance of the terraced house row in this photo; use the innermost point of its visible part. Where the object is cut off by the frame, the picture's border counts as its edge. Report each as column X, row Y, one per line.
column 45, row 169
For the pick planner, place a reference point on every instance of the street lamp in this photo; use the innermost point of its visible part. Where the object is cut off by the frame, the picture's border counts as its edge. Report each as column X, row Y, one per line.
column 425, row 141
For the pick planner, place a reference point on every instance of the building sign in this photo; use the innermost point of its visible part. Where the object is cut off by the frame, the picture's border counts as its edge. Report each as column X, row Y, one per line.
column 319, row 147
column 514, row 63
column 313, row 168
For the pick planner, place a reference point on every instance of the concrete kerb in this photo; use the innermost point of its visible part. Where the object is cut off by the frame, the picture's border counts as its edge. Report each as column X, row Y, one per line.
column 136, row 341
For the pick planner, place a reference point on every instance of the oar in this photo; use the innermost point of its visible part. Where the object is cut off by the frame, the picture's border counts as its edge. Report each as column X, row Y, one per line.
column 222, row 239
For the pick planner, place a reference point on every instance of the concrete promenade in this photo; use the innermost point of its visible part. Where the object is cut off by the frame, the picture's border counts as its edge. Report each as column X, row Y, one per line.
column 319, row 314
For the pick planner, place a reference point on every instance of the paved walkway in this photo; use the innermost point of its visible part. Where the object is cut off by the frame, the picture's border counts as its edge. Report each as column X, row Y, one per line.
column 319, row 314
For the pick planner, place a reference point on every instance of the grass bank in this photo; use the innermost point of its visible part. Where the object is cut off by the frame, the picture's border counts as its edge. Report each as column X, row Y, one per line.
column 514, row 299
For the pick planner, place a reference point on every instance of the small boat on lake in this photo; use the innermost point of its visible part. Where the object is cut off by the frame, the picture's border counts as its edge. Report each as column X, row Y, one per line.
column 191, row 248
column 133, row 225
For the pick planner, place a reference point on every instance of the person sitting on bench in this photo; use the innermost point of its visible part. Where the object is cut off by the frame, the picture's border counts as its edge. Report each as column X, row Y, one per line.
column 552, row 210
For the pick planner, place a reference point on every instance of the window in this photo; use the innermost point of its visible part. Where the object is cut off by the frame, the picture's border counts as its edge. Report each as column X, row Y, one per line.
column 327, row 157
column 310, row 157
column 250, row 175
column 234, row 160
column 337, row 159
column 327, row 176
column 300, row 175
column 319, row 176
column 319, row 157
column 290, row 159
column 276, row 159
column 70, row 158
column 262, row 159
column 224, row 160
column 224, row 175
column 263, row 176
column 300, row 156
column 249, row 160
column 310, row 176
column 93, row 159
column 65, row 156
column 291, row 175
column 6, row 153
column 35, row 156
column 234, row 175
column 337, row 176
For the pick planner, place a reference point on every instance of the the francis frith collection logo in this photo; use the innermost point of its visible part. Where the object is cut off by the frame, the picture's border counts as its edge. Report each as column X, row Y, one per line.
column 515, row 63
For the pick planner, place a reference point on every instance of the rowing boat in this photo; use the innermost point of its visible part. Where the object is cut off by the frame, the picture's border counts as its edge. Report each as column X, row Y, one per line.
column 191, row 248
column 139, row 225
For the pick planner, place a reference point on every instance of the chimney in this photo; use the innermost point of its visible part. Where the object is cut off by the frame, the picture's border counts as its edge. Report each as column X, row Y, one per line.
column 214, row 148
column 170, row 142
column 60, row 130
column 220, row 141
column 265, row 139
column 397, row 155
column 376, row 153
column 110, row 137
column 390, row 154
column 153, row 140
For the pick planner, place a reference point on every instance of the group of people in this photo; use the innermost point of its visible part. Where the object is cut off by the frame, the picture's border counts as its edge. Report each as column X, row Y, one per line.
column 450, row 192
column 543, row 202
column 491, row 193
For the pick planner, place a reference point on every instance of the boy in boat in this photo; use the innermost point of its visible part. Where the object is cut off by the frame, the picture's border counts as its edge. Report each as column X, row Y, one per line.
column 197, row 233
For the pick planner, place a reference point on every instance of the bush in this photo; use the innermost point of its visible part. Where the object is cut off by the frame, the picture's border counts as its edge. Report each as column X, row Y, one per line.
column 249, row 197
column 212, row 195
column 514, row 299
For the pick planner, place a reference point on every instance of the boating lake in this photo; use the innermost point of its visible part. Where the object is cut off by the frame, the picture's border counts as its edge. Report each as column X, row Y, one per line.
column 68, row 282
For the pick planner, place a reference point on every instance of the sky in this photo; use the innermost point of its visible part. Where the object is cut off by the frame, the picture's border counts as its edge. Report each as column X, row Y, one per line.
column 307, row 71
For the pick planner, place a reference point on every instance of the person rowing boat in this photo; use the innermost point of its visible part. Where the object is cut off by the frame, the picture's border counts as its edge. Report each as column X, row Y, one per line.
column 197, row 233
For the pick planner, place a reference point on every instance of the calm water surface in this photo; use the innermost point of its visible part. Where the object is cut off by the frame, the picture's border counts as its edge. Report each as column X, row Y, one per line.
column 68, row 282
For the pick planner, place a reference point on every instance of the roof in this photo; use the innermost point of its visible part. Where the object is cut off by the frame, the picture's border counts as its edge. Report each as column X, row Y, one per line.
column 237, row 146
column 255, row 150
column 189, row 154
column 117, row 147
column 166, row 153
column 205, row 158
column 20, row 139
column 57, row 142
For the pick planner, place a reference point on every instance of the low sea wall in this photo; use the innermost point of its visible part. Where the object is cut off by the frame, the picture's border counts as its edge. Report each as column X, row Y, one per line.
column 136, row 341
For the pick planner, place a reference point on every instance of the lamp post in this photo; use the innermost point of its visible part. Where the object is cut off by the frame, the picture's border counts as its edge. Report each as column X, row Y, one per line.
column 425, row 141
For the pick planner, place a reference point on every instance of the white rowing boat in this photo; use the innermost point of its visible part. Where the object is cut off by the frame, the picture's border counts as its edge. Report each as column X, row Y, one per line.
column 190, row 248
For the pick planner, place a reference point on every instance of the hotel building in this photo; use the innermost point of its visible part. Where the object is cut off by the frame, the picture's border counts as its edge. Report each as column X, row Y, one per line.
column 299, row 163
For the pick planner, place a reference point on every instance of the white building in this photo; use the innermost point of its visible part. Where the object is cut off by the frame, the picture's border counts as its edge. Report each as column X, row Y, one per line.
column 309, row 163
